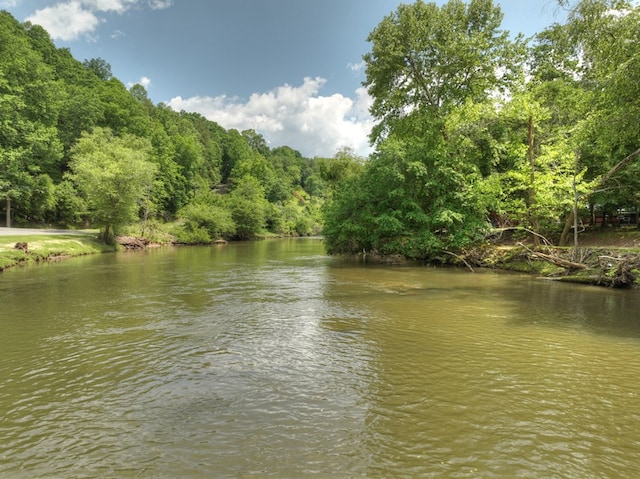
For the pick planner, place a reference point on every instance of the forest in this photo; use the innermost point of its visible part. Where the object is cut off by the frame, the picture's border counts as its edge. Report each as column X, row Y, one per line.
column 79, row 149
column 478, row 129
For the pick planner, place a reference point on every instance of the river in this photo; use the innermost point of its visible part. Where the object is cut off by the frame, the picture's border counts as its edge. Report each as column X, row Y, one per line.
column 270, row 359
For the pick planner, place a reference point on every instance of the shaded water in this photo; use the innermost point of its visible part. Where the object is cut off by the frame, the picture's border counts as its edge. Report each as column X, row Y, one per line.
column 271, row 360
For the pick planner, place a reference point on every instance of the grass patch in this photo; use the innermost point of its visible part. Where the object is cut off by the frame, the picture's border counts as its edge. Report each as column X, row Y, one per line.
column 48, row 247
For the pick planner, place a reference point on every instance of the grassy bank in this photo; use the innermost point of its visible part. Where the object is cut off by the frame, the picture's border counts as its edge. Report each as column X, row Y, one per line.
column 48, row 247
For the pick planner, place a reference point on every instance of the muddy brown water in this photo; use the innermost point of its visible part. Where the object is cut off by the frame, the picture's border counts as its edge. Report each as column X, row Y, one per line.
column 270, row 359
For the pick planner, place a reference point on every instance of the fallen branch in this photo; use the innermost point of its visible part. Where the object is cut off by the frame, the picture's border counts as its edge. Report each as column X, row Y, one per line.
column 460, row 258
column 130, row 242
column 563, row 263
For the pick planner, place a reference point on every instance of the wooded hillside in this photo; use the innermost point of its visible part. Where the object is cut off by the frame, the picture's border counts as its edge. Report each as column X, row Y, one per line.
column 79, row 148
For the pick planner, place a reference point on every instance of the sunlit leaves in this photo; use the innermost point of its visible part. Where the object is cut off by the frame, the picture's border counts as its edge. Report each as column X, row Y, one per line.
column 426, row 57
column 114, row 174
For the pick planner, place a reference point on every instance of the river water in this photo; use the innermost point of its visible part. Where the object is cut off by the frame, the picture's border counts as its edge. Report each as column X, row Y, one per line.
column 270, row 359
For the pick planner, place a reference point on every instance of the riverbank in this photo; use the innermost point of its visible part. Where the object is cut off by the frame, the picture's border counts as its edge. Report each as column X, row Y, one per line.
column 21, row 247
column 608, row 258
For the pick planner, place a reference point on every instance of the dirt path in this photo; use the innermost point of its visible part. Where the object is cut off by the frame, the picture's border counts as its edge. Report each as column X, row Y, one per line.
column 35, row 231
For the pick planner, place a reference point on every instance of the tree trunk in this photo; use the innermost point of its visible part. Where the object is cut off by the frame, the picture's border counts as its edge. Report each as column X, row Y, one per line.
column 575, row 212
column 533, row 213
column 107, row 229
column 564, row 237
column 8, row 217
column 603, row 179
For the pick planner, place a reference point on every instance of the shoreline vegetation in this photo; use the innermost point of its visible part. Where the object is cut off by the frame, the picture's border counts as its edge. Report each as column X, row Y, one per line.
column 609, row 258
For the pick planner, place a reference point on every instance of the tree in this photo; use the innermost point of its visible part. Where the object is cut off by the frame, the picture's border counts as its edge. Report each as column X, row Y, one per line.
column 248, row 207
column 606, row 34
column 418, row 194
column 206, row 219
column 99, row 67
column 426, row 58
column 113, row 173
column 29, row 145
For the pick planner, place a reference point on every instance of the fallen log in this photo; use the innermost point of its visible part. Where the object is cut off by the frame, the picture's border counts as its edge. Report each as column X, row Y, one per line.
column 22, row 246
column 563, row 263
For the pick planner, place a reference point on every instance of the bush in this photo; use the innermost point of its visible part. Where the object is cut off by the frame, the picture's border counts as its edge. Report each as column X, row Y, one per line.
column 205, row 222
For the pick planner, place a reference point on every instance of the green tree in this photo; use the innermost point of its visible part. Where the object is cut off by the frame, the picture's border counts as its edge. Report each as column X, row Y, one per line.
column 426, row 58
column 248, row 208
column 605, row 34
column 113, row 173
column 206, row 219
column 29, row 145
column 99, row 67
column 418, row 195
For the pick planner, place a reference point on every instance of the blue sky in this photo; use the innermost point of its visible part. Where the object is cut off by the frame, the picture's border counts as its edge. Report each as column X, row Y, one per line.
column 290, row 69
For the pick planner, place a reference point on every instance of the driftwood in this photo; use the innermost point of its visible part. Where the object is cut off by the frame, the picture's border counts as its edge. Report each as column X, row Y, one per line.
column 619, row 272
column 460, row 258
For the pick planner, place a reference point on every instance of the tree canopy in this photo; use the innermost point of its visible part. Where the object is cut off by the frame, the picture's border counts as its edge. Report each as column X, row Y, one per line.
column 479, row 128
column 79, row 148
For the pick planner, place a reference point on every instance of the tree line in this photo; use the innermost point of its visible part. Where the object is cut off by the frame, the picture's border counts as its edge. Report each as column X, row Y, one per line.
column 480, row 129
column 476, row 129
column 77, row 148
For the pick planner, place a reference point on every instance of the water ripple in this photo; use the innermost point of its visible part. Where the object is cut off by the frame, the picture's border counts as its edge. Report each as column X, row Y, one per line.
column 200, row 365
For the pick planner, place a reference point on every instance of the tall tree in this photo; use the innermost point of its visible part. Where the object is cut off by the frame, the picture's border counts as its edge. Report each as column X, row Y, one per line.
column 425, row 62
column 426, row 58
column 114, row 174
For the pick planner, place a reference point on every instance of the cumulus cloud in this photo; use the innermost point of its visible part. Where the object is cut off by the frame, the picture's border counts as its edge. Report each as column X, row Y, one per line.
column 71, row 19
column 65, row 21
column 8, row 3
column 119, row 6
column 294, row 116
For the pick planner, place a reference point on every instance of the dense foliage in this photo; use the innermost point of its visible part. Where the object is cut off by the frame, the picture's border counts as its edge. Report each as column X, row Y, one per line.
column 78, row 148
column 478, row 128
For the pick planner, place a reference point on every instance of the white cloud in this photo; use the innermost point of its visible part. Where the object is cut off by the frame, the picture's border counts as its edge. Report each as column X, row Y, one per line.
column 118, row 6
column 65, row 21
column 144, row 81
column 160, row 4
column 293, row 116
column 118, row 34
column 356, row 67
column 8, row 3
column 70, row 19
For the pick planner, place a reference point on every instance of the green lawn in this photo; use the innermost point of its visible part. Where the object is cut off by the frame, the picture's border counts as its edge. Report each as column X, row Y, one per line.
column 48, row 246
